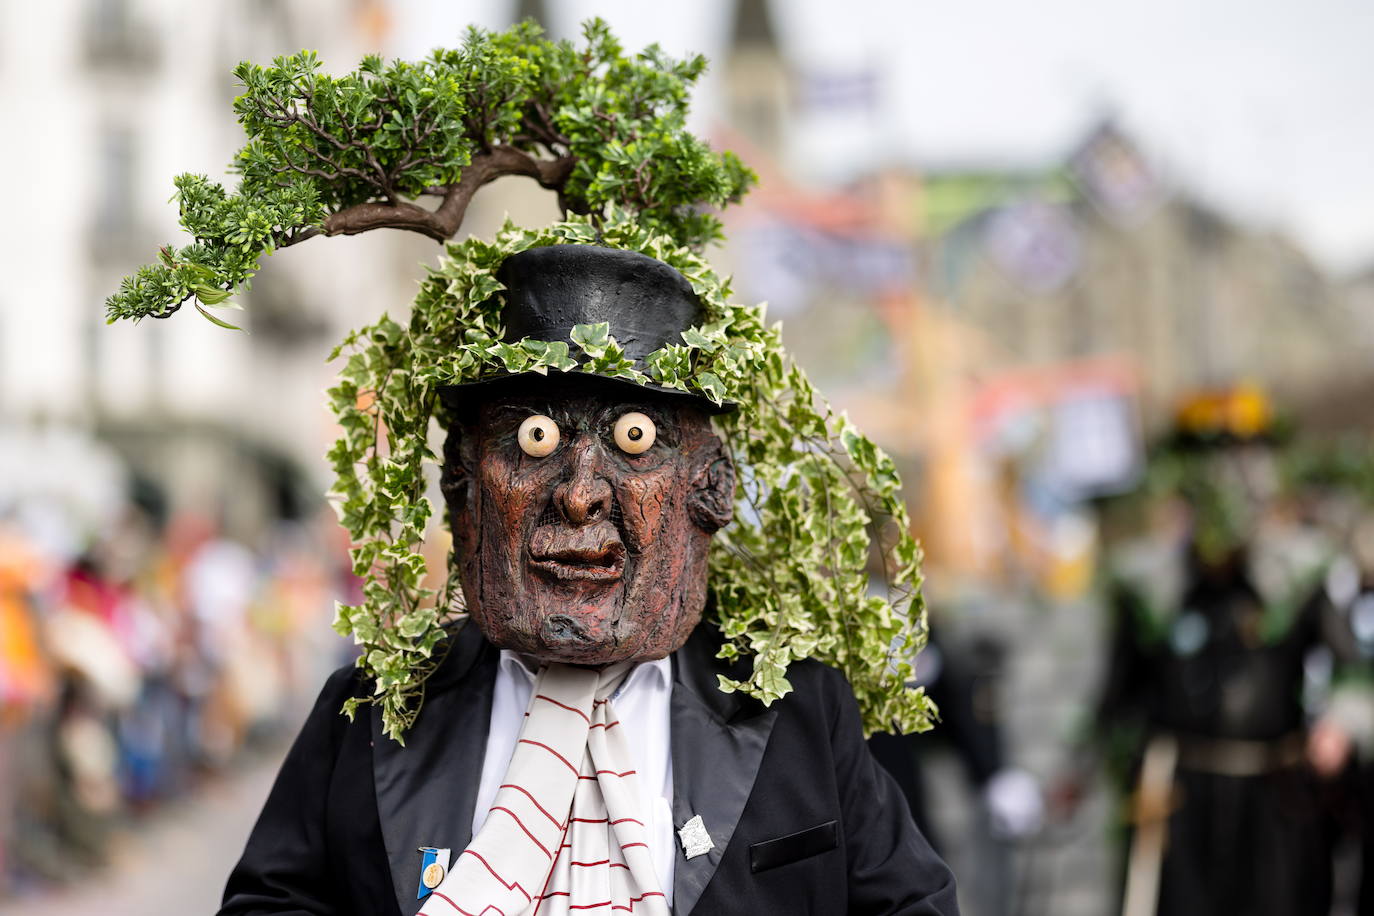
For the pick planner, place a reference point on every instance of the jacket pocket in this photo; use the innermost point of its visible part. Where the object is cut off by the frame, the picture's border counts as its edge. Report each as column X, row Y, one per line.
column 800, row 845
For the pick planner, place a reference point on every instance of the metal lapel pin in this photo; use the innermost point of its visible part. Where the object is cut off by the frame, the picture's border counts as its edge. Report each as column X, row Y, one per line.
column 696, row 841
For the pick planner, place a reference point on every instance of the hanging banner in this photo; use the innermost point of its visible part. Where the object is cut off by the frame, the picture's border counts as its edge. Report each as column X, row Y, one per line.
column 787, row 264
column 1035, row 243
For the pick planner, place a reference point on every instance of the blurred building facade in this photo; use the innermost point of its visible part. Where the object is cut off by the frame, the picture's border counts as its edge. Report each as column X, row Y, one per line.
column 1051, row 270
column 979, row 319
column 120, row 95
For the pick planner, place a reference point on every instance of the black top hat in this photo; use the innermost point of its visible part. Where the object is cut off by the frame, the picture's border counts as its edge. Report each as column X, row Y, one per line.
column 552, row 289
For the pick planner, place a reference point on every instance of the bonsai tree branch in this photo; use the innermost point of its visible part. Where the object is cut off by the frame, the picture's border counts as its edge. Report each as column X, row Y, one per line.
column 442, row 224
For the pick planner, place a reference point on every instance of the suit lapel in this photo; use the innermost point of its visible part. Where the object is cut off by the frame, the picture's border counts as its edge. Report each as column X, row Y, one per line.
column 718, row 745
column 426, row 790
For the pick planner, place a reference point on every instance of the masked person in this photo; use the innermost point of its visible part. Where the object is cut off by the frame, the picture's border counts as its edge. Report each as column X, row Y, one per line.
column 1214, row 635
column 619, row 699
column 575, row 751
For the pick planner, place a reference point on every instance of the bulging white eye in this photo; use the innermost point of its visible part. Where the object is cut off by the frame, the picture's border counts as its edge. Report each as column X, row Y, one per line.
column 538, row 435
column 634, row 433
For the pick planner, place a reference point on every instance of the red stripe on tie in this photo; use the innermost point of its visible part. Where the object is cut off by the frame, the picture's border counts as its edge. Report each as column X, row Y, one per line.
column 589, row 864
column 540, row 696
column 614, row 773
column 463, row 911
column 563, row 840
column 587, row 820
column 550, row 750
column 634, row 900
column 507, row 885
column 627, row 820
column 628, row 845
column 521, row 825
column 606, row 725
column 534, row 801
column 589, row 906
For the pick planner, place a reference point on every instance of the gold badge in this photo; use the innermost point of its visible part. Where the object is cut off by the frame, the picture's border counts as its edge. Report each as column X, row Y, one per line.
column 433, row 875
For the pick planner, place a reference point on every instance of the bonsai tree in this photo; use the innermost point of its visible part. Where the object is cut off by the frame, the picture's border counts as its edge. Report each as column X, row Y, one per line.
column 342, row 155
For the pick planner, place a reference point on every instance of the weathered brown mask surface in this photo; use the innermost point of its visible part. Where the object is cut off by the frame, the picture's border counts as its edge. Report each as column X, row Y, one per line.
column 577, row 542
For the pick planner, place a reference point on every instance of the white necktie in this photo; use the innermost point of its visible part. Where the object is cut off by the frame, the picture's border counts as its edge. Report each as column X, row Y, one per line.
column 565, row 829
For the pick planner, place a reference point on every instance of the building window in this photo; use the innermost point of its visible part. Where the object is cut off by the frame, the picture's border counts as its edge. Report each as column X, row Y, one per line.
column 114, row 169
column 115, row 37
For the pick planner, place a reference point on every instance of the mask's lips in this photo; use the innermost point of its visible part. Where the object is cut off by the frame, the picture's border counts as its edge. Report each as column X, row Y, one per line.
column 593, row 553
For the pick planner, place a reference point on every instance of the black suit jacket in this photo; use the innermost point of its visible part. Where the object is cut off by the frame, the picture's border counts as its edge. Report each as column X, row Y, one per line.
column 802, row 818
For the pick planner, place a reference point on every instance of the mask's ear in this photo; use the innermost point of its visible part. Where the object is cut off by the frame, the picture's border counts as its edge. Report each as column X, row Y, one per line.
column 711, row 495
column 456, row 478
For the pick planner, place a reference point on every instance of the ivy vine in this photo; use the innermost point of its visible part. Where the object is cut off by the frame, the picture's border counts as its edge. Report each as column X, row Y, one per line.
column 815, row 497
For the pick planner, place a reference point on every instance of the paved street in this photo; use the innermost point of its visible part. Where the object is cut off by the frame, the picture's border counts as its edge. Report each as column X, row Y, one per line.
column 1052, row 670
column 173, row 863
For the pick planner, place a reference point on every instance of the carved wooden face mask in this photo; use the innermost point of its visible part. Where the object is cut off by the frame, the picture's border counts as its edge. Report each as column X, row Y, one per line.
column 582, row 511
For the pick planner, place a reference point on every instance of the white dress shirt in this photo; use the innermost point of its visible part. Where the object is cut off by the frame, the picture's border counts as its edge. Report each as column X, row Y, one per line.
column 643, row 708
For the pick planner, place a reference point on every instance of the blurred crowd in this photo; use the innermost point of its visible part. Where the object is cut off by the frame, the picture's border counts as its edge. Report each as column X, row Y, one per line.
column 141, row 658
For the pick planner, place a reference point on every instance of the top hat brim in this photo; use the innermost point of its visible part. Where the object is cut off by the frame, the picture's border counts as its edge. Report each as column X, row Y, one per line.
column 455, row 396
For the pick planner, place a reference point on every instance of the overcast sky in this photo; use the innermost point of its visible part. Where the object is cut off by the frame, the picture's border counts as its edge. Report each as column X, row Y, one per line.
column 1265, row 107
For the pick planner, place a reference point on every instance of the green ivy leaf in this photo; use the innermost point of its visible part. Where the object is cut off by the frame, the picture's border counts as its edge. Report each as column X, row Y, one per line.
column 592, row 339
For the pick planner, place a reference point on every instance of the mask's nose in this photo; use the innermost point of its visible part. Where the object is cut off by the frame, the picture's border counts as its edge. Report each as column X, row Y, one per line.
column 586, row 496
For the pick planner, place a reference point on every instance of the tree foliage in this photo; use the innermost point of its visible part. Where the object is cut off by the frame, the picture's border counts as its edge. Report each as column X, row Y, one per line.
column 341, row 155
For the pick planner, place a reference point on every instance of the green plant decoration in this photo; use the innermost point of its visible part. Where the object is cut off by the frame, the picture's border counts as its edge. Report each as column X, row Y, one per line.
column 788, row 577
column 341, row 155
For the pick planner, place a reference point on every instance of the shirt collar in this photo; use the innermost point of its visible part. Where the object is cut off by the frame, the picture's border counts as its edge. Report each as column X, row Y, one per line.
column 657, row 673
column 513, row 663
